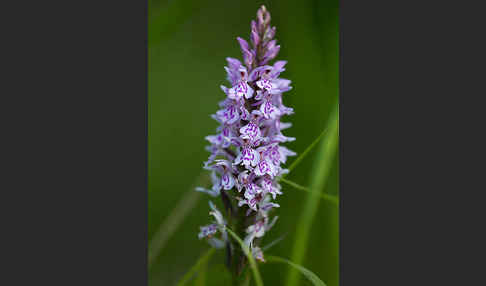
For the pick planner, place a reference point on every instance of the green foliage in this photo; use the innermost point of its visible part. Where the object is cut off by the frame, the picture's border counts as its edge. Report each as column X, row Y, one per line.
column 201, row 263
column 332, row 199
column 217, row 274
column 246, row 250
column 304, row 154
column 306, row 272
column 322, row 167
column 175, row 219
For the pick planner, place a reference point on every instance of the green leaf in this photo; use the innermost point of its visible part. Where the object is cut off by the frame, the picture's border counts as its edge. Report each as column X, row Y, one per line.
column 218, row 274
column 306, row 151
column 201, row 274
column 246, row 250
column 268, row 246
column 175, row 218
column 201, row 262
column 306, row 272
column 332, row 199
column 321, row 170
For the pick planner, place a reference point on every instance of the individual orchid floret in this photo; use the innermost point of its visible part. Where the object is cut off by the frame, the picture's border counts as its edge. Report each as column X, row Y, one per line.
column 241, row 90
column 258, row 229
column 220, row 221
column 251, row 132
column 216, row 188
column 265, row 168
column 269, row 110
column 252, row 202
column 225, row 170
column 248, row 157
column 219, row 225
column 244, row 179
column 257, row 253
column 229, row 115
column 271, row 187
column 252, row 191
column 208, row 230
column 232, row 70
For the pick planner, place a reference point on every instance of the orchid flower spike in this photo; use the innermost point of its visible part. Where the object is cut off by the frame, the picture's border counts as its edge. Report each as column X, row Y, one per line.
column 246, row 152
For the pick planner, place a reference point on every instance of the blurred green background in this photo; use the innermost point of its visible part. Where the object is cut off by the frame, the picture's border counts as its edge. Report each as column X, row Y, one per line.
column 188, row 43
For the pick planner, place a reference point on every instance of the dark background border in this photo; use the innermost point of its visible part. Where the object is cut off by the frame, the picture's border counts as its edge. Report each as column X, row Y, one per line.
column 76, row 183
column 74, row 102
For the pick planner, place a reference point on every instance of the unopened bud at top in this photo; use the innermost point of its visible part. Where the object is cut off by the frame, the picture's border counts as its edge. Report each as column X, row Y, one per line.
column 263, row 17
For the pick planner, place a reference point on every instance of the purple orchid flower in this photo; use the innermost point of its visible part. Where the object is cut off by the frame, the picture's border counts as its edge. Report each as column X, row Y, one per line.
column 246, row 153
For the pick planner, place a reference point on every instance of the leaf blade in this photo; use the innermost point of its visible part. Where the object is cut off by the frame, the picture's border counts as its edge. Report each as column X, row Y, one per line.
column 304, row 154
column 330, row 198
column 169, row 226
column 306, row 272
column 319, row 177
column 203, row 259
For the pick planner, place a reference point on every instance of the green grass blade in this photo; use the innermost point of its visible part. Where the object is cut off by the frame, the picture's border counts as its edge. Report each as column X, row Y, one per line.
column 268, row 246
column 175, row 219
column 332, row 199
column 201, row 262
column 306, row 151
column 201, row 274
column 246, row 250
column 306, row 272
column 320, row 173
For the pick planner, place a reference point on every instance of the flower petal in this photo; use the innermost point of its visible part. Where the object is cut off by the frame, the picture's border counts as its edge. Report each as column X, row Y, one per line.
column 216, row 243
column 213, row 193
column 207, row 230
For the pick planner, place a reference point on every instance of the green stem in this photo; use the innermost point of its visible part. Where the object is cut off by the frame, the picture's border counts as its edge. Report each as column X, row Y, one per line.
column 246, row 250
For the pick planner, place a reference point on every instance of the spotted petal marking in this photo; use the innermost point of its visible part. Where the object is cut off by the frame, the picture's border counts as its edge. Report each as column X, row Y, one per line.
column 269, row 110
column 227, row 181
column 250, row 131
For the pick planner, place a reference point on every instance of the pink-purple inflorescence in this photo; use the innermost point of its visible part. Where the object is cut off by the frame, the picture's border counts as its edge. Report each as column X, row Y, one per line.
column 246, row 153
